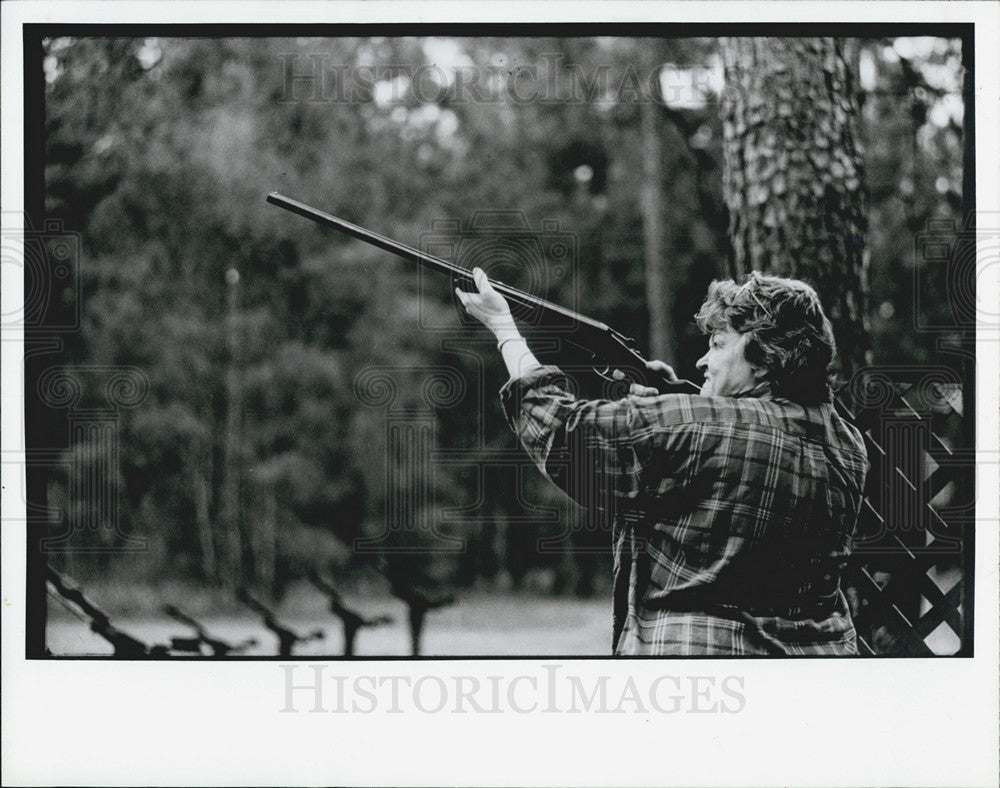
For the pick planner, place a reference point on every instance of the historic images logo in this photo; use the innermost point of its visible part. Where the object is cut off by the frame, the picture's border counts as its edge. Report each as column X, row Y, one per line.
column 49, row 258
column 313, row 78
column 318, row 689
column 540, row 262
column 955, row 260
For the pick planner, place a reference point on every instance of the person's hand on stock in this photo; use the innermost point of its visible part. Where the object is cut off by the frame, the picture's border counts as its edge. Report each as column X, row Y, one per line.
column 637, row 390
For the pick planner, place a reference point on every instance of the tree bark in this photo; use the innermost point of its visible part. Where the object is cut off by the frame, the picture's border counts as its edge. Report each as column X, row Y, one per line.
column 265, row 549
column 659, row 288
column 231, row 553
column 203, row 519
column 792, row 175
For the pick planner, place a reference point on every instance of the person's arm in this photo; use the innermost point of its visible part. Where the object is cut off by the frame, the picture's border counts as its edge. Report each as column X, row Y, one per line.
column 491, row 309
column 594, row 450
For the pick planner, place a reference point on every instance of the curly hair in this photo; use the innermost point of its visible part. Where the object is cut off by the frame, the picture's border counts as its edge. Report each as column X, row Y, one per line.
column 789, row 336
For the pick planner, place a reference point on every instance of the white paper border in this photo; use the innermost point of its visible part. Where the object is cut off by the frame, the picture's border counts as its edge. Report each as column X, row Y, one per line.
column 815, row 722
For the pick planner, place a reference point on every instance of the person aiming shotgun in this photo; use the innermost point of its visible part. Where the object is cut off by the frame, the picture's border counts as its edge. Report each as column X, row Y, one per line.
column 732, row 509
column 731, row 506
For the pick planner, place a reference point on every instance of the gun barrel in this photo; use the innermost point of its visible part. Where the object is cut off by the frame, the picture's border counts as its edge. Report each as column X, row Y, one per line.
column 512, row 294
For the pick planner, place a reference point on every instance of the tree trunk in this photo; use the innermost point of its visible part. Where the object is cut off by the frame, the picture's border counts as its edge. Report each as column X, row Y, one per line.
column 231, row 553
column 658, row 285
column 792, row 175
column 265, row 548
column 203, row 519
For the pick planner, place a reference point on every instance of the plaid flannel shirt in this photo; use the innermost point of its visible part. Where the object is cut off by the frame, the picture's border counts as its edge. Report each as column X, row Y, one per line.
column 731, row 517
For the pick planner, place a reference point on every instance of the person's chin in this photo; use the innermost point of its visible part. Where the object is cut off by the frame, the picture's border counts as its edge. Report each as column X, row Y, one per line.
column 706, row 389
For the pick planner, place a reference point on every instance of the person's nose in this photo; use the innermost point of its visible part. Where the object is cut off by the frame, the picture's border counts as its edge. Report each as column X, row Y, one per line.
column 702, row 363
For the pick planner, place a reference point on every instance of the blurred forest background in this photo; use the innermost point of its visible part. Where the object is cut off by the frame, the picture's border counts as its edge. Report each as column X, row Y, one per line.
column 257, row 455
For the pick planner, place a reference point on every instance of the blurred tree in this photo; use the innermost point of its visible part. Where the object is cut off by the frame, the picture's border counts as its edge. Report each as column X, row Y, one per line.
column 659, row 269
column 190, row 117
column 160, row 151
column 793, row 175
column 912, row 127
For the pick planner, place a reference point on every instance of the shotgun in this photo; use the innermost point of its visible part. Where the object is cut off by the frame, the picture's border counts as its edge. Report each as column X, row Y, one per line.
column 604, row 349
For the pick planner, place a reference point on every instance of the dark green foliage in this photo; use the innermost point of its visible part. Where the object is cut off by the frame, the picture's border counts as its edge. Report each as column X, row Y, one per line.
column 160, row 153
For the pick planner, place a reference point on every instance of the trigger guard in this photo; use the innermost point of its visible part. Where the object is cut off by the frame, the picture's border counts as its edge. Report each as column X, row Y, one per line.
column 604, row 373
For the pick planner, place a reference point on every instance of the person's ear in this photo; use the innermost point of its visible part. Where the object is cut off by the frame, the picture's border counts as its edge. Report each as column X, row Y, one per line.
column 749, row 350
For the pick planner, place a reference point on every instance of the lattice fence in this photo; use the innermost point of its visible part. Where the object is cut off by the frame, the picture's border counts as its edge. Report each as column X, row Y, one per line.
column 909, row 583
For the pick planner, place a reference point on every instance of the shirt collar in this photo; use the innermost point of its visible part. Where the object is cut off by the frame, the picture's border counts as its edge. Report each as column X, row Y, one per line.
column 761, row 391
